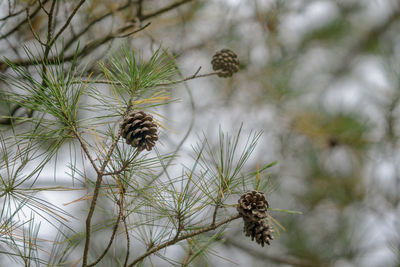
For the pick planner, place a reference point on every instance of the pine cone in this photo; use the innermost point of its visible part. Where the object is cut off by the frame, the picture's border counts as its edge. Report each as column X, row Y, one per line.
column 140, row 130
column 225, row 61
column 253, row 206
column 261, row 231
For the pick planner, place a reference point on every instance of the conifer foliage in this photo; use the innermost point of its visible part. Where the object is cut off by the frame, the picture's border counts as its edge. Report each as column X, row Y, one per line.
column 105, row 118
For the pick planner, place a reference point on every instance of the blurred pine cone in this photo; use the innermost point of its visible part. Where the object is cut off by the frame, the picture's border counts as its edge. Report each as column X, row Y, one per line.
column 253, row 206
column 261, row 231
column 226, row 62
column 140, row 130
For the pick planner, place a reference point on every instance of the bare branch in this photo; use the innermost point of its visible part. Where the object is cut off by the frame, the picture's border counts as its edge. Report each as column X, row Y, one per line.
column 95, row 43
column 50, row 23
column 21, row 23
column 92, row 23
column 37, row 37
column 163, row 10
column 67, row 22
column 42, row 6
column 12, row 14
column 133, row 32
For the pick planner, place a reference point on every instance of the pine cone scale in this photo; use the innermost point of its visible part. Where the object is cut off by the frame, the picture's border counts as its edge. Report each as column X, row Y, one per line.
column 253, row 205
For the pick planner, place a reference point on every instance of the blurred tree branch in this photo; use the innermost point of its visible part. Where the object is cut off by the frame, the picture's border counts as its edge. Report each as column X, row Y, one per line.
column 284, row 259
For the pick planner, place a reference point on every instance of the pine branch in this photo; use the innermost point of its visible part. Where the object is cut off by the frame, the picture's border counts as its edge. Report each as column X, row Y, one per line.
column 100, row 176
column 127, row 241
column 115, row 228
column 194, row 76
column 184, row 237
column 86, row 150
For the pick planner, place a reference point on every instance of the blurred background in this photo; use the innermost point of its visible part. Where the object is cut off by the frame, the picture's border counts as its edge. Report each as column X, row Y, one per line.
column 320, row 78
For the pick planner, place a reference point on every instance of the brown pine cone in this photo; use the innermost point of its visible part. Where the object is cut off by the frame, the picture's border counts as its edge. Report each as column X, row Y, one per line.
column 140, row 130
column 226, row 62
column 253, row 206
column 261, row 231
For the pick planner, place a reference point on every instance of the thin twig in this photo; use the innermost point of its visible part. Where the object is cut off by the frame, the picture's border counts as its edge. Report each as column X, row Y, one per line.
column 139, row 9
column 10, row 15
column 86, row 150
column 48, row 42
column 214, row 218
column 89, row 218
column 181, row 227
column 163, row 10
column 127, row 241
column 115, row 228
column 133, row 32
column 42, row 6
column 37, row 37
column 92, row 23
column 113, row 145
column 96, row 193
column 68, row 21
column 125, row 165
column 284, row 259
column 50, row 23
column 21, row 23
column 90, row 46
column 96, row 43
column 109, row 243
column 189, row 235
column 195, row 76
column 187, row 258
column 192, row 119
